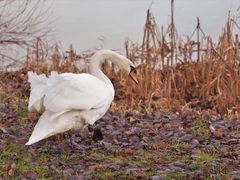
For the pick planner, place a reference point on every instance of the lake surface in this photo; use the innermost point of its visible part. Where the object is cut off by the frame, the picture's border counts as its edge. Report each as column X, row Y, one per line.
column 89, row 24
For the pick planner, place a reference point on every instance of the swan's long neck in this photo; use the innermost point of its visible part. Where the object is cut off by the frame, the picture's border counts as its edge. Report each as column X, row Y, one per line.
column 96, row 61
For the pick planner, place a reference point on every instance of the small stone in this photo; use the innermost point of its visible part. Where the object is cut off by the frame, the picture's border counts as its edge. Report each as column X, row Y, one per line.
column 194, row 143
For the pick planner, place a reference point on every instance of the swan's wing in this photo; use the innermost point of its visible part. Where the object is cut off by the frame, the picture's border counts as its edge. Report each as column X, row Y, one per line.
column 77, row 92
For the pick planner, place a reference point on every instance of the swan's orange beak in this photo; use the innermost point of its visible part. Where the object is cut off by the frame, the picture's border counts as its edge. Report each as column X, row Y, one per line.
column 132, row 75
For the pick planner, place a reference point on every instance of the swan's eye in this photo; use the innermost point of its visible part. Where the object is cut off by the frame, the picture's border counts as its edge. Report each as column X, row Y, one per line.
column 133, row 69
column 132, row 74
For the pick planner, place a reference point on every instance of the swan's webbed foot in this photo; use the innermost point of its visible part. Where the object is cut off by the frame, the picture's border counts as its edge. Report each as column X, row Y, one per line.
column 97, row 133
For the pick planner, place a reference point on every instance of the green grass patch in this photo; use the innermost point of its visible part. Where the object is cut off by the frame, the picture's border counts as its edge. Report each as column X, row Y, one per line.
column 174, row 175
column 117, row 159
column 6, row 158
column 147, row 158
column 23, row 160
column 8, row 151
column 37, row 167
column 111, row 174
column 200, row 128
column 152, row 171
column 70, row 159
column 173, row 152
column 202, row 159
column 177, row 145
column 23, row 115
column 124, row 174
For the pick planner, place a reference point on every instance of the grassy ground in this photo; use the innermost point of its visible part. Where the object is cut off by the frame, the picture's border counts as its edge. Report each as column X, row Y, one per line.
column 136, row 146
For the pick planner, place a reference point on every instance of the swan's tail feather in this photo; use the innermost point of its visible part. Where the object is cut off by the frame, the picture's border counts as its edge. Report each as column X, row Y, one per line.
column 38, row 135
column 35, row 79
column 54, row 123
column 38, row 85
column 44, row 127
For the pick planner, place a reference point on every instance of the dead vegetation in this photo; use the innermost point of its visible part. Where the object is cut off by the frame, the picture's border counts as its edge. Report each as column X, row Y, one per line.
column 173, row 73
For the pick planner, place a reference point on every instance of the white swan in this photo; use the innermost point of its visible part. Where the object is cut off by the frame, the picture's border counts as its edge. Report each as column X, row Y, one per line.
column 72, row 101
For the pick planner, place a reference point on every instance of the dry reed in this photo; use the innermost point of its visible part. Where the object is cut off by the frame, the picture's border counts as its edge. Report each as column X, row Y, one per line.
column 173, row 74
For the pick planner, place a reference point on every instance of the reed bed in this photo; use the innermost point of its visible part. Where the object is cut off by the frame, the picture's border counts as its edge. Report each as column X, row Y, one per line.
column 173, row 73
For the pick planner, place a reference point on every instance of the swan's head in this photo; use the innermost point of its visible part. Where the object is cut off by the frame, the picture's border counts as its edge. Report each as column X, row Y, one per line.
column 127, row 65
column 122, row 62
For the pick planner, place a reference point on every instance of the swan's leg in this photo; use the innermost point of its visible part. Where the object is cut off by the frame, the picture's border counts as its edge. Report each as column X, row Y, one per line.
column 70, row 139
column 90, row 128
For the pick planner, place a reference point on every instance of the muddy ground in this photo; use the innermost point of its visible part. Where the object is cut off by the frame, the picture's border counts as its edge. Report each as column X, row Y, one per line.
column 160, row 145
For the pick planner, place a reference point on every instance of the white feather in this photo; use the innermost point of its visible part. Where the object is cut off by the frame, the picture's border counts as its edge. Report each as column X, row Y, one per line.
column 70, row 101
column 38, row 88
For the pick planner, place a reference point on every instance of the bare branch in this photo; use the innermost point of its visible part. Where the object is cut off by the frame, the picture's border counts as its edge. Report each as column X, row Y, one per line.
column 21, row 23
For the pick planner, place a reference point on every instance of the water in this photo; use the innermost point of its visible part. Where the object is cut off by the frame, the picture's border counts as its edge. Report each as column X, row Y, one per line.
column 89, row 24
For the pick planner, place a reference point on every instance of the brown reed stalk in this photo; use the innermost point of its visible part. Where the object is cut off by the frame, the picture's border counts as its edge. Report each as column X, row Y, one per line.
column 211, row 80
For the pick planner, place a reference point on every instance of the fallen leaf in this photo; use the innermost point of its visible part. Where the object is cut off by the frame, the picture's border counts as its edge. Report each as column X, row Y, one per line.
column 217, row 131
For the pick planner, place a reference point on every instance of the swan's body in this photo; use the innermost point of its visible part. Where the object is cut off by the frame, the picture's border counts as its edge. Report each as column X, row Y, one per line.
column 72, row 101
